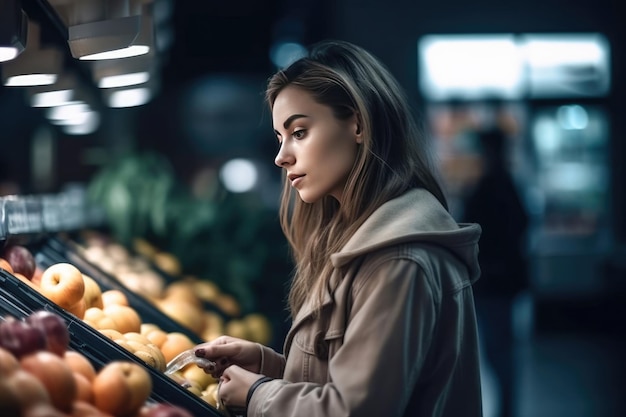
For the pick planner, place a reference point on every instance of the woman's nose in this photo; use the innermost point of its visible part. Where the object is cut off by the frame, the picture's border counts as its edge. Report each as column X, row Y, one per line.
column 283, row 158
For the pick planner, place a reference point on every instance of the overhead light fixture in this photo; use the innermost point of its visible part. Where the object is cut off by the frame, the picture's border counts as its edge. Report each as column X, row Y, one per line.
column 35, row 66
column 108, row 29
column 80, row 115
column 55, row 94
column 133, row 96
column 85, row 126
column 113, row 73
column 124, row 80
column 68, row 112
column 13, row 29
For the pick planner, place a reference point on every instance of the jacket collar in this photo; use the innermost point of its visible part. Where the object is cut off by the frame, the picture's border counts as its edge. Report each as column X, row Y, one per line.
column 415, row 216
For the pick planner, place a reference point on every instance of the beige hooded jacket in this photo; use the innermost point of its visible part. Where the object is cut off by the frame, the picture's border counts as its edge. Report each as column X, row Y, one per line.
column 398, row 337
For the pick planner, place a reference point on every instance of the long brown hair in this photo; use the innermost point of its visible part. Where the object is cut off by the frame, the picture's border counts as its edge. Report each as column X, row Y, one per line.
column 392, row 159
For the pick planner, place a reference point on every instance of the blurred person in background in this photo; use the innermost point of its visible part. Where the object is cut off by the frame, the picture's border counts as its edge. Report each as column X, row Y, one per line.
column 495, row 204
column 381, row 302
column 8, row 186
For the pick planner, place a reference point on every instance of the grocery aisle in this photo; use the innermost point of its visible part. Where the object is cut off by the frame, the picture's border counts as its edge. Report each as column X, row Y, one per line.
column 566, row 373
column 572, row 375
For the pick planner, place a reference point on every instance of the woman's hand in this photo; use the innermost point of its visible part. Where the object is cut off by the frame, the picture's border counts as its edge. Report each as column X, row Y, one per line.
column 234, row 386
column 226, row 351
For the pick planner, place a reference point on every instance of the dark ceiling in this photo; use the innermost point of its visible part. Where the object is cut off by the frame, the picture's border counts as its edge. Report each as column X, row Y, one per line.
column 208, row 36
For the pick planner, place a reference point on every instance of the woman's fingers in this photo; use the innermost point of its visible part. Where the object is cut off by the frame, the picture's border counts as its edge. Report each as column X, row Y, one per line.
column 223, row 346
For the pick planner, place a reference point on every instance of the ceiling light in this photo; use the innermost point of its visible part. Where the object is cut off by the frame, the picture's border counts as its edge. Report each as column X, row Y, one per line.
column 124, row 80
column 67, row 112
column 88, row 125
column 51, row 98
column 35, row 66
column 131, row 97
column 104, row 29
column 61, row 92
column 124, row 72
column 134, row 96
column 13, row 29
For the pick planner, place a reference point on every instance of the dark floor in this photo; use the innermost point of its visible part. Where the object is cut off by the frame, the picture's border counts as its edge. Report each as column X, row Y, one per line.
column 563, row 371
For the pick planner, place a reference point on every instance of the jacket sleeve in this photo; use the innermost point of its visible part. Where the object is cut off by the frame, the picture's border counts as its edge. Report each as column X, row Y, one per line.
column 373, row 373
column 272, row 362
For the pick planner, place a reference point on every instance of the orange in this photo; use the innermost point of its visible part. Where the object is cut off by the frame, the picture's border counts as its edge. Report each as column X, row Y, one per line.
column 4, row 264
column 84, row 390
column 8, row 363
column 26, row 281
column 125, row 317
column 82, row 408
column 182, row 291
column 157, row 337
column 121, row 388
column 27, row 388
column 183, row 312
column 55, row 374
column 174, row 344
column 110, row 297
column 80, row 364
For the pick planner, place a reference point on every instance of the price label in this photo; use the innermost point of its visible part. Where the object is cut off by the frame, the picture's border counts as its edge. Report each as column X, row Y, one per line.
column 52, row 214
column 23, row 217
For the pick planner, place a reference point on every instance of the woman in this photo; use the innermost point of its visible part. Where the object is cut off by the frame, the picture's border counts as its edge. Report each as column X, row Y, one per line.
column 381, row 298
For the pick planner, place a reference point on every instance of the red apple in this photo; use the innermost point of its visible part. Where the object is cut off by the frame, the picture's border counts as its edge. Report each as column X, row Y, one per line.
column 167, row 410
column 21, row 260
column 20, row 338
column 55, row 329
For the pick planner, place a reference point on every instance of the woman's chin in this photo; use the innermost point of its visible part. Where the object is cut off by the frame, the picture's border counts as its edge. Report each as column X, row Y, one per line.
column 307, row 197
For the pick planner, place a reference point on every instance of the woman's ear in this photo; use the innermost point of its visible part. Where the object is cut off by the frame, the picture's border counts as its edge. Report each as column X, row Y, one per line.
column 358, row 131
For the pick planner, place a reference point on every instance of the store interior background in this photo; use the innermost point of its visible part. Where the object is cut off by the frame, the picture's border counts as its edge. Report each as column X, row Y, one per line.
column 207, row 109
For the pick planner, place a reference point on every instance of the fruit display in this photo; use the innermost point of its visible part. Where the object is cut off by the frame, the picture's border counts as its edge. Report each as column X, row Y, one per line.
column 197, row 304
column 96, row 323
column 121, row 371
column 40, row 375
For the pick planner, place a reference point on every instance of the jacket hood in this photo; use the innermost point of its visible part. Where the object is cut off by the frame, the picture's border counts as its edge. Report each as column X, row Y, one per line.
column 416, row 216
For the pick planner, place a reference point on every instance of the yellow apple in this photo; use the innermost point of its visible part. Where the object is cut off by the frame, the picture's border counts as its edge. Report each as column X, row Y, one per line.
column 63, row 284
column 93, row 292
column 121, row 388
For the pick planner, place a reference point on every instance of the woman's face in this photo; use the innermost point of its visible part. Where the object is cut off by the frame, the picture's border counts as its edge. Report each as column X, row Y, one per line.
column 316, row 149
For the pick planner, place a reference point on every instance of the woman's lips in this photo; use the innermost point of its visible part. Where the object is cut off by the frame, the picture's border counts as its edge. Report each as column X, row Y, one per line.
column 295, row 179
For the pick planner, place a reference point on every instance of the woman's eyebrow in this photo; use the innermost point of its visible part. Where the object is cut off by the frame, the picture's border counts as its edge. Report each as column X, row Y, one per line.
column 291, row 118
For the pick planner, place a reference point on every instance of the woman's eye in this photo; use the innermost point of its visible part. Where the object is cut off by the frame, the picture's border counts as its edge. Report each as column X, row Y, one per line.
column 299, row 134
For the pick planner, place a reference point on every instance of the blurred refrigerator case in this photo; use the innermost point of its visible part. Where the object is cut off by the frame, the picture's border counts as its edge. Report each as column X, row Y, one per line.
column 570, row 188
column 546, row 91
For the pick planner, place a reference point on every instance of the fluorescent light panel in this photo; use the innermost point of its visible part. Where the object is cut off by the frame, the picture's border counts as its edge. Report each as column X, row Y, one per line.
column 130, row 97
column 507, row 66
column 124, row 80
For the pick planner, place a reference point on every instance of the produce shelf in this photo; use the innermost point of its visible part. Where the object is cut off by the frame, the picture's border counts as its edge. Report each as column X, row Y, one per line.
column 17, row 299
column 54, row 250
